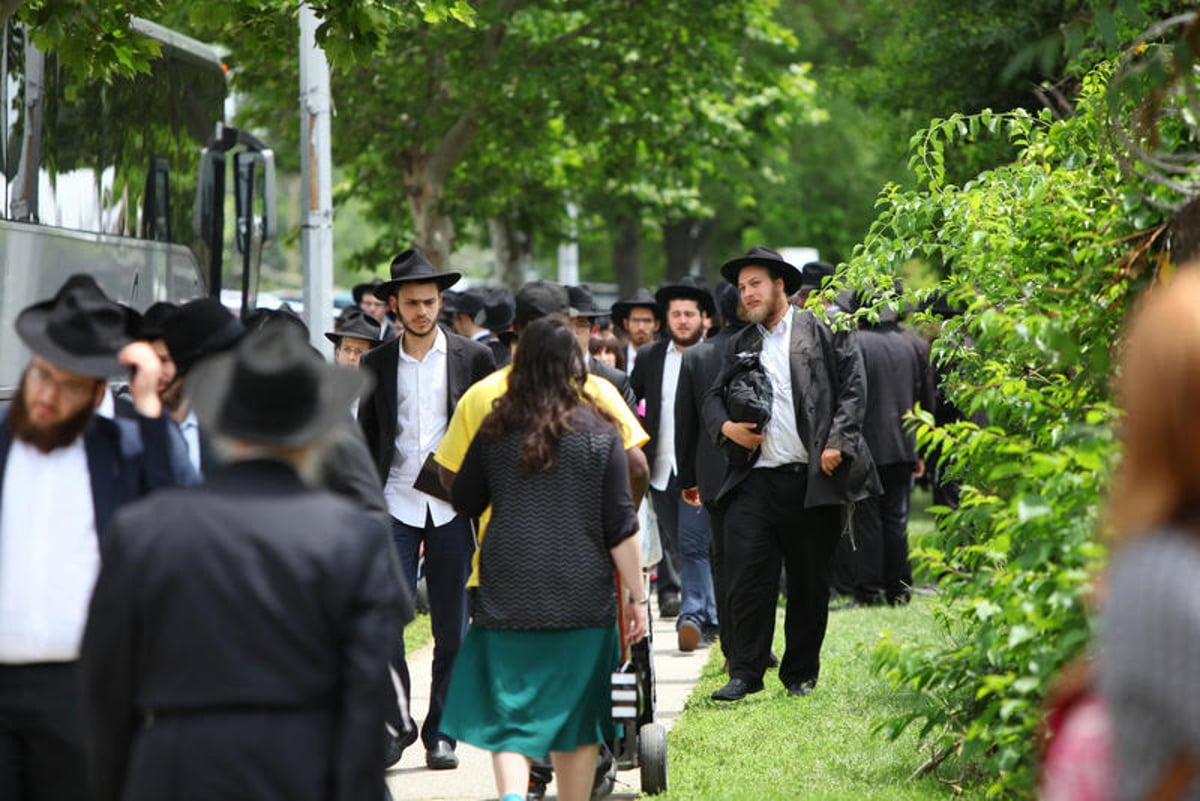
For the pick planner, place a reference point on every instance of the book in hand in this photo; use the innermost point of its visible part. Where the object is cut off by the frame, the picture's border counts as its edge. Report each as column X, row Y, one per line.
column 429, row 480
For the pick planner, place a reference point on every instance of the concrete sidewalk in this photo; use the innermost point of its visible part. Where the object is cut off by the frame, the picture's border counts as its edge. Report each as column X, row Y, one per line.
column 675, row 676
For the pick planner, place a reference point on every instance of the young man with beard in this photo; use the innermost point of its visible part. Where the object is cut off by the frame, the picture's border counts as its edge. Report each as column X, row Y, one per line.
column 683, row 528
column 638, row 318
column 63, row 473
column 787, row 503
column 419, row 378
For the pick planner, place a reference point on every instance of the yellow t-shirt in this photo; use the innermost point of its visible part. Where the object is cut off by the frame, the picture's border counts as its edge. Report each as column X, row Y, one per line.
column 476, row 404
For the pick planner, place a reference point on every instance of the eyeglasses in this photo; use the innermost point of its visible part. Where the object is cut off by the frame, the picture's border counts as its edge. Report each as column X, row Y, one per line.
column 372, row 303
column 71, row 390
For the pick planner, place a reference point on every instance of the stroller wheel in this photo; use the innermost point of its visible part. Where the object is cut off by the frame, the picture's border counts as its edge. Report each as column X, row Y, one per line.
column 652, row 756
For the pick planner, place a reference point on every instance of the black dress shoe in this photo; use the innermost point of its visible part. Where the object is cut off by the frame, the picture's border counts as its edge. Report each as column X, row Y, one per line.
column 736, row 690
column 441, row 757
column 801, row 689
column 668, row 604
column 394, row 744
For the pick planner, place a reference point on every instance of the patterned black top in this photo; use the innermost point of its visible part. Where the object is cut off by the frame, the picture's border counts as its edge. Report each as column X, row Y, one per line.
column 544, row 562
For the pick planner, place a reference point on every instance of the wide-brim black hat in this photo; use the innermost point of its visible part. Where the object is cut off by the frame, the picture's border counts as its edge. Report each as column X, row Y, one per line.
column 500, row 309
column 814, row 273
column 154, row 320
column 642, row 297
column 762, row 256
column 583, row 304
column 359, row 290
column 80, row 330
column 358, row 326
column 272, row 389
column 198, row 329
column 670, row 292
column 411, row 267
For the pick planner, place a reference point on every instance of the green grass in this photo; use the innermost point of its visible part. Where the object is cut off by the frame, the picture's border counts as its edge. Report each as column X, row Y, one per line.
column 417, row 633
column 771, row 746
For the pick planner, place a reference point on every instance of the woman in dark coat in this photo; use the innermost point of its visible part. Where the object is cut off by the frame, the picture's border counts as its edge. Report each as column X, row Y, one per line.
column 533, row 675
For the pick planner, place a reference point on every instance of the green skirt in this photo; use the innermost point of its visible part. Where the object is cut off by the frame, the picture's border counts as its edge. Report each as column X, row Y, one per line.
column 532, row 691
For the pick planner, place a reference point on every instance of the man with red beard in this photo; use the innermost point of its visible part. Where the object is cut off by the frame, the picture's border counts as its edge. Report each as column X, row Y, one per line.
column 419, row 378
column 787, row 502
column 63, row 472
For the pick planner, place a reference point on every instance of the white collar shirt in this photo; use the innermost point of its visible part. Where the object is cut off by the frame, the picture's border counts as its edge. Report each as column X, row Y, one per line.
column 781, row 441
column 49, row 554
column 190, row 428
column 421, row 419
column 664, row 455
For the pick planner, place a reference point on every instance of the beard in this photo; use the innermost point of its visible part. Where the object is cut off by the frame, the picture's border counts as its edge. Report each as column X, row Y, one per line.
column 775, row 302
column 691, row 339
column 45, row 438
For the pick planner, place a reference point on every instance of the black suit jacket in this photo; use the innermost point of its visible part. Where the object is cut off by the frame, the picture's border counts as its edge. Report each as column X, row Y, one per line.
column 126, row 459
column 898, row 377
column 700, row 461
column 646, row 380
column 829, row 393
column 250, row 618
column 617, row 378
column 466, row 362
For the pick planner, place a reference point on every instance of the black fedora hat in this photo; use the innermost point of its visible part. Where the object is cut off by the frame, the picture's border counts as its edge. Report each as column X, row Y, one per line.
column 358, row 291
column 500, row 308
column 669, row 292
column 358, row 326
column 198, row 329
column 763, row 256
column 80, row 330
column 813, row 273
column 411, row 267
column 642, row 297
column 582, row 302
column 272, row 389
column 154, row 320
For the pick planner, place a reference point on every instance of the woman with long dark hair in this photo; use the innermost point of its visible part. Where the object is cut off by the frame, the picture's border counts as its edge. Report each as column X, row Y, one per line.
column 533, row 675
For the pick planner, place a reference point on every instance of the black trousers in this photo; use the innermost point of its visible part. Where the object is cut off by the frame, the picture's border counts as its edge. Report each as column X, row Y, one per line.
column 766, row 525
column 876, row 569
column 41, row 733
column 716, row 564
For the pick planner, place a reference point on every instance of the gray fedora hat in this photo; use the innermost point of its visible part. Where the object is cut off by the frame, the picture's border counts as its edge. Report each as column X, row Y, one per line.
column 272, row 389
column 411, row 267
column 358, row 326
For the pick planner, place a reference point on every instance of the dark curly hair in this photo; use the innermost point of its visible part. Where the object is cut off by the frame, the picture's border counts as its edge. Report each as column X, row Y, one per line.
column 545, row 387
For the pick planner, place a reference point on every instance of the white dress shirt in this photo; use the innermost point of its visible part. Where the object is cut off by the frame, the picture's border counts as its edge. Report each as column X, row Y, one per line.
column 781, row 442
column 664, row 455
column 421, row 419
column 190, row 428
column 49, row 555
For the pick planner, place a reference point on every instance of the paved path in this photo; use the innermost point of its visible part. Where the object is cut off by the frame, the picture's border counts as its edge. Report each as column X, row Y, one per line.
column 410, row 780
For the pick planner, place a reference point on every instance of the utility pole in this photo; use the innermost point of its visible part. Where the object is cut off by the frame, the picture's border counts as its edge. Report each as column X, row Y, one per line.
column 316, row 179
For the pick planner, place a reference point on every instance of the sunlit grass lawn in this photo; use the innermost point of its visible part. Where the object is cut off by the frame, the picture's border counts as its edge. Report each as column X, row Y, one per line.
column 771, row 746
column 417, row 634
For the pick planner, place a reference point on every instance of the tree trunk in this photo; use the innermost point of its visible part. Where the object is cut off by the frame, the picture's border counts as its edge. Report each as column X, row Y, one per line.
column 434, row 231
column 684, row 242
column 513, row 250
column 627, row 254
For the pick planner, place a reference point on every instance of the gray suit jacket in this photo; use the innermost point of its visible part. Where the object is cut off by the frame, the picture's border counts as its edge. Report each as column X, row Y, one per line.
column 466, row 362
column 829, row 390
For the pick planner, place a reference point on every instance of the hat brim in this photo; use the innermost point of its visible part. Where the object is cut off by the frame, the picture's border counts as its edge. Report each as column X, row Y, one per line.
column 31, row 327
column 667, row 294
column 211, row 381
column 779, row 268
column 443, row 280
column 622, row 308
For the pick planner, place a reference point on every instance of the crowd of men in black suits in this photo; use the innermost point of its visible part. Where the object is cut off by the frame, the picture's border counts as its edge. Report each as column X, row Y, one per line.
column 254, row 620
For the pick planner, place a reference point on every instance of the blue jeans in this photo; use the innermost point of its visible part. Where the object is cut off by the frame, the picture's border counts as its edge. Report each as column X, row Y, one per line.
column 698, row 601
column 448, row 552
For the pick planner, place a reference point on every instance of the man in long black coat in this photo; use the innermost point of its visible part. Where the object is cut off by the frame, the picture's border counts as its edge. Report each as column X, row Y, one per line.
column 238, row 636
column 788, row 502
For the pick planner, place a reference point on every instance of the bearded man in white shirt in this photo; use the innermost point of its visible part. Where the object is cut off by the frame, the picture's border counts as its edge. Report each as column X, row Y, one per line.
column 63, row 473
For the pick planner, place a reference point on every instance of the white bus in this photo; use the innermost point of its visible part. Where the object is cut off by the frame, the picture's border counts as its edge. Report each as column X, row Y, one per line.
column 125, row 180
